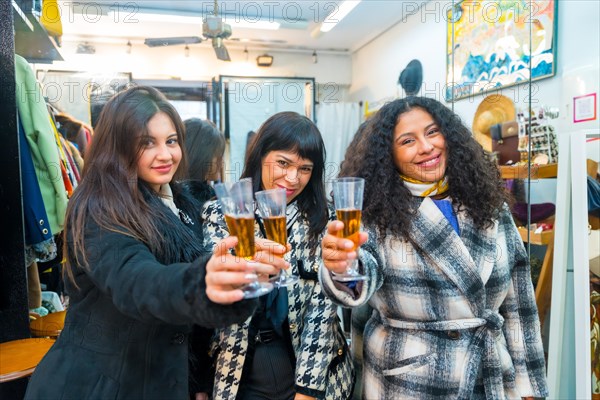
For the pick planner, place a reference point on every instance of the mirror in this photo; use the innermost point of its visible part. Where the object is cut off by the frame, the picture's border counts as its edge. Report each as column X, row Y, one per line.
column 246, row 102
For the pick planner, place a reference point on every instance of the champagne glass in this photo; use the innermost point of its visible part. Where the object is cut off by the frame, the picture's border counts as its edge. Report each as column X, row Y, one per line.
column 237, row 203
column 348, row 198
column 271, row 207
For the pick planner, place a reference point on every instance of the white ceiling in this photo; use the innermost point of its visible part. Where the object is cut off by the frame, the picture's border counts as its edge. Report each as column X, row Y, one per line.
column 91, row 21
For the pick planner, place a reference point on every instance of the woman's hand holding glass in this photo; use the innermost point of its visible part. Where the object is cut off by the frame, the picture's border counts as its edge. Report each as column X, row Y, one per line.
column 348, row 199
column 237, row 203
column 272, row 209
column 227, row 274
column 339, row 253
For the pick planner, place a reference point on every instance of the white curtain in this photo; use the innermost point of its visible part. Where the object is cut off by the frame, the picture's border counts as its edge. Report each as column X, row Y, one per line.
column 338, row 122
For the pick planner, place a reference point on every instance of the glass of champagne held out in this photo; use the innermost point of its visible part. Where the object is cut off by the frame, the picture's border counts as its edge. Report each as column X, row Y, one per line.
column 348, row 198
column 272, row 205
column 237, row 202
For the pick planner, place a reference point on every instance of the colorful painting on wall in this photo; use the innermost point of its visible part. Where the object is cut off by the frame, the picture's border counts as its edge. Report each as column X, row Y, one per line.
column 491, row 44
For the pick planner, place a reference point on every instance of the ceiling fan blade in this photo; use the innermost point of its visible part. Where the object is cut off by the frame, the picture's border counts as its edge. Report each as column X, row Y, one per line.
column 220, row 49
column 171, row 41
column 222, row 53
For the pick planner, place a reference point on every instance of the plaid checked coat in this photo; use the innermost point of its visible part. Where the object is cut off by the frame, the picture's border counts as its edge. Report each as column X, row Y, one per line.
column 454, row 317
column 323, row 365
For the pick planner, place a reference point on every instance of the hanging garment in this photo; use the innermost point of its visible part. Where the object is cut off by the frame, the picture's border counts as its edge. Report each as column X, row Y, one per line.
column 37, row 228
column 40, row 244
column 39, row 133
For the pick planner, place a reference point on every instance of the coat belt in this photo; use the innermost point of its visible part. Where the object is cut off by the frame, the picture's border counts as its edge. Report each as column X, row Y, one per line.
column 482, row 348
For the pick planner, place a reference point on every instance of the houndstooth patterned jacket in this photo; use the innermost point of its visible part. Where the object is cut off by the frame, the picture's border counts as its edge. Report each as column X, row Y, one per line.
column 323, row 365
column 454, row 316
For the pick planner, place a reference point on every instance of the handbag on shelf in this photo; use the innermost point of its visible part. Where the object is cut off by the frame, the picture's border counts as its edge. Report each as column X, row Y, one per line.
column 505, row 142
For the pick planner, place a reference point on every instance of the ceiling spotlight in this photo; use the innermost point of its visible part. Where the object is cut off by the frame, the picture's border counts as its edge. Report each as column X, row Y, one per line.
column 128, row 51
column 187, row 51
column 264, row 60
column 314, row 57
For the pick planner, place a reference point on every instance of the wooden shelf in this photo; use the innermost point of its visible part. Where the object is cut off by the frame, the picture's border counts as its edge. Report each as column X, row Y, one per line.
column 522, row 171
column 32, row 41
column 543, row 238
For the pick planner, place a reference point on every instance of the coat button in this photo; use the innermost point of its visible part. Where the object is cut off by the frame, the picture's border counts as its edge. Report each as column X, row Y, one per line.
column 340, row 351
column 178, row 338
column 316, row 268
column 292, row 326
column 454, row 335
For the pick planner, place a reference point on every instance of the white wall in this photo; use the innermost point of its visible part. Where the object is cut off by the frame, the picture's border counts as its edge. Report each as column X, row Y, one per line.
column 202, row 64
column 376, row 67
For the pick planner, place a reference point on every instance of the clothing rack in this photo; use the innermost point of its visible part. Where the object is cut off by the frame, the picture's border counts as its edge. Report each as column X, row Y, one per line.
column 20, row 32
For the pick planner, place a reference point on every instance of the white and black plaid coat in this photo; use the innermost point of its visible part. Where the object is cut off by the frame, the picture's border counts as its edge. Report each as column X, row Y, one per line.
column 454, row 317
column 323, row 365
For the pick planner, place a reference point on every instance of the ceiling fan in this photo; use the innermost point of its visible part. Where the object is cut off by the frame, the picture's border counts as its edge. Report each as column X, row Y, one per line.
column 213, row 28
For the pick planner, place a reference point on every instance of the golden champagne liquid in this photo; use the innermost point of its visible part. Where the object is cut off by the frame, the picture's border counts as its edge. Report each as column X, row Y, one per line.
column 351, row 220
column 243, row 228
column 276, row 229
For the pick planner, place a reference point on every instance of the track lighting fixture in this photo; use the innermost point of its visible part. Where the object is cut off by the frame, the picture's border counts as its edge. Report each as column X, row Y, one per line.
column 314, row 57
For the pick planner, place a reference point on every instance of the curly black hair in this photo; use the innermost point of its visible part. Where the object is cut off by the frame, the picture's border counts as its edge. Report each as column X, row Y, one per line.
column 474, row 179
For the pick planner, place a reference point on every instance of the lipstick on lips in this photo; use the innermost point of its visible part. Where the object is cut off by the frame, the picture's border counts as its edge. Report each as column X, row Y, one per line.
column 288, row 192
column 432, row 162
column 163, row 168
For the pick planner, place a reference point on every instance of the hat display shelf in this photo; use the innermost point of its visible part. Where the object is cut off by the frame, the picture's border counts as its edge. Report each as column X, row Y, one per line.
column 537, row 127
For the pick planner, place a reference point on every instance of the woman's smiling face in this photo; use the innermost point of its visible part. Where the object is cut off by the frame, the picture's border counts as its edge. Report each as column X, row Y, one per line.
column 419, row 148
column 161, row 152
column 286, row 170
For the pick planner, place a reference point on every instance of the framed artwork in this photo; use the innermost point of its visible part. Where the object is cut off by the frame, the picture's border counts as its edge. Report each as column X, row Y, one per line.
column 584, row 108
column 492, row 44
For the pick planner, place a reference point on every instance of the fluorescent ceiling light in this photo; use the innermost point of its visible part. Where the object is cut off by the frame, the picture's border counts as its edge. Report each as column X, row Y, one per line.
column 338, row 14
column 233, row 20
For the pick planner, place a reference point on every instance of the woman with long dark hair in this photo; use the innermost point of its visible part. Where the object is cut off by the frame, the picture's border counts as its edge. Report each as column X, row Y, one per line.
column 449, row 280
column 293, row 346
column 138, row 275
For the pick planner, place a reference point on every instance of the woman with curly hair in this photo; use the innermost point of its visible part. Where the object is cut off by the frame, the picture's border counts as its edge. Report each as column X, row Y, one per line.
column 449, row 282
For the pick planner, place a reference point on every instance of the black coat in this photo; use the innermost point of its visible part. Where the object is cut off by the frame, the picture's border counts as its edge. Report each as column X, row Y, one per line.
column 125, row 334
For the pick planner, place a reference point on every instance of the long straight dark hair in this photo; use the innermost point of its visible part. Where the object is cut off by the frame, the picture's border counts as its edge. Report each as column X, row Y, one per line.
column 290, row 131
column 110, row 192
